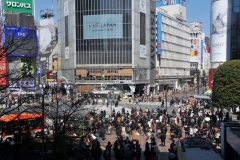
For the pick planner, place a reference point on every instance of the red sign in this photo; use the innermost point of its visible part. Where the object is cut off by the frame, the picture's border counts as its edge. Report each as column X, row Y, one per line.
column 3, row 68
column 49, row 74
column 159, row 45
column 211, row 78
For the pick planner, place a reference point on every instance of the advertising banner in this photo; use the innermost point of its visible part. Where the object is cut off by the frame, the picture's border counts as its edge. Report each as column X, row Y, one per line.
column 20, row 6
column 159, row 34
column 160, row 3
column 27, row 67
column 194, row 50
column 55, row 65
column 107, row 26
column 25, row 83
column 66, row 12
column 20, row 42
column 219, row 23
column 196, row 27
column 202, row 50
column 3, row 68
column 143, row 29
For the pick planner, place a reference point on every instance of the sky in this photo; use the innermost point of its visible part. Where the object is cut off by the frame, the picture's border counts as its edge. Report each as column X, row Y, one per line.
column 197, row 11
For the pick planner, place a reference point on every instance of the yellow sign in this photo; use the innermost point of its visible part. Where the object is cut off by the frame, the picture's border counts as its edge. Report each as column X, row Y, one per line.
column 55, row 66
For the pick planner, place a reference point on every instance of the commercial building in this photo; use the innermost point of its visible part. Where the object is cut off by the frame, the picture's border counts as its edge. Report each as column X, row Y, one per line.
column 106, row 44
column 48, row 38
column 20, row 43
column 173, row 33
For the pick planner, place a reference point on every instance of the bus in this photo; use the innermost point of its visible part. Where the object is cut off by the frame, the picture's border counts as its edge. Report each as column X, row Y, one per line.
column 25, row 123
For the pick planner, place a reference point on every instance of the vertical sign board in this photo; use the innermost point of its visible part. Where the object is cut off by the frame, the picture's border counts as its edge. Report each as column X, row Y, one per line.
column 66, row 12
column 194, row 50
column 220, row 30
column 3, row 63
column 3, row 68
column 152, row 42
column 143, row 29
column 159, row 33
column 202, row 50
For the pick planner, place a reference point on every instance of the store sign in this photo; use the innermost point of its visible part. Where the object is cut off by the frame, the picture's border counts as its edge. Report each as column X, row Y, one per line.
column 21, row 6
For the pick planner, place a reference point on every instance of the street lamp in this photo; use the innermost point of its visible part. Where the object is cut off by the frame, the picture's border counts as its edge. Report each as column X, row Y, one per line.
column 42, row 87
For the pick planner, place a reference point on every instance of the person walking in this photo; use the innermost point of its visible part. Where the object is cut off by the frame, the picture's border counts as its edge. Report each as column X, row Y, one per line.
column 153, row 154
column 147, row 153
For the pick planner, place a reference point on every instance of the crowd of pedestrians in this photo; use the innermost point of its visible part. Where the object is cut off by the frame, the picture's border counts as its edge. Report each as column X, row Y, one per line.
column 186, row 121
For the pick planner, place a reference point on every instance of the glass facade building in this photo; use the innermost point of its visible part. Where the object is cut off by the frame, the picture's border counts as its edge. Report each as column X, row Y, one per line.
column 235, row 31
column 106, row 18
column 107, row 42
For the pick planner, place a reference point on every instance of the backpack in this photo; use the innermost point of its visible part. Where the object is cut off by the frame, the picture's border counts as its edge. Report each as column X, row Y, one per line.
column 175, row 149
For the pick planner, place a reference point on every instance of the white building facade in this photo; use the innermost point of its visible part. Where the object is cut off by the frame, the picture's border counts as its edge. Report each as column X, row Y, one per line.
column 173, row 59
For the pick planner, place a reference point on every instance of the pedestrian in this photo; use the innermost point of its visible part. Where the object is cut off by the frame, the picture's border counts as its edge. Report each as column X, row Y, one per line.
column 147, row 153
column 220, row 116
column 153, row 154
column 163, row 137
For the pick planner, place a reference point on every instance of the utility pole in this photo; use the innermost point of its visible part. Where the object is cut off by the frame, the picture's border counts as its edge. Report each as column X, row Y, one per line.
column 43, row 150
column 198, row 80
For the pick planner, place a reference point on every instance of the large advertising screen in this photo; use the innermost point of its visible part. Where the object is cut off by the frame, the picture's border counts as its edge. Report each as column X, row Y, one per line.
column 27, row 67
column 194, row 50
column 20, row 42
column 219, row 23
column 105, row 26
column 20, row 6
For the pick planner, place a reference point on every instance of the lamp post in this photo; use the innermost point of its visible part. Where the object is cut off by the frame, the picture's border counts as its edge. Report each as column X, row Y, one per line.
column 43, row 152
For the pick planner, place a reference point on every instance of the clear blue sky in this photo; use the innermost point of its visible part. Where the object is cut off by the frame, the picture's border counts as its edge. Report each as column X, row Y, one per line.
column 197, row 11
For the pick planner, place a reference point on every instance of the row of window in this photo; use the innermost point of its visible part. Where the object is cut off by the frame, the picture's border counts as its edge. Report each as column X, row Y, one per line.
column 102, row 4
column 174, row 47
column 174, row 23
column 175, row 31
column 174, row 39
column 104, row 57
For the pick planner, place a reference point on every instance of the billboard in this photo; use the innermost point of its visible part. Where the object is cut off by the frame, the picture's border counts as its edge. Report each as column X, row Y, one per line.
column 107, row 26
column 194, row 50
column 159, row 34
column 27, row 67
column 20, row 42
column 211, row 78
column 20, row 6
column 160, row 3
column 24, row 83
column 196, row 27
column 142, row 33
column 219, row 25
column 66, row 30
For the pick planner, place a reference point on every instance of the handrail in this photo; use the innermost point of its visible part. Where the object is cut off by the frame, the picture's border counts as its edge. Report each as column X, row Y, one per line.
column 179, row 151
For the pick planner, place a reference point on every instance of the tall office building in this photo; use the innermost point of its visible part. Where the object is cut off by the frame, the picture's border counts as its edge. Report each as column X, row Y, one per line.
column 107, row 43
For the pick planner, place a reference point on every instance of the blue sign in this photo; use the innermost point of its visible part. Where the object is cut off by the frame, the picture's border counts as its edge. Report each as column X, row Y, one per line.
column 160, row 3
column 159, row 33
column 202, row 47
column 20, row 42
